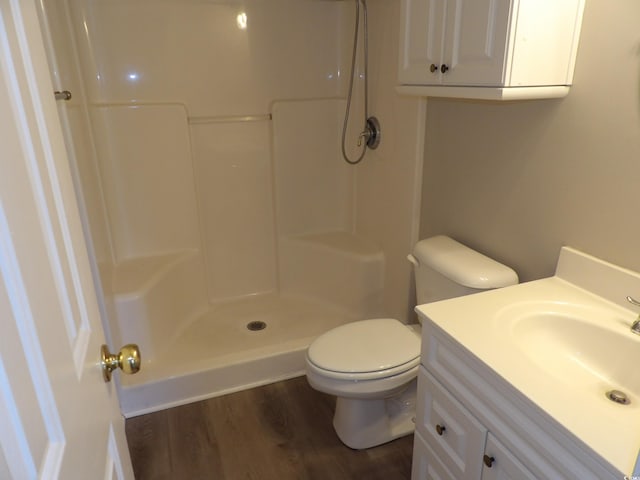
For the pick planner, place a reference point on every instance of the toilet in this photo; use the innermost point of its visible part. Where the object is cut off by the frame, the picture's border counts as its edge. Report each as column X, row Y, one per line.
column 371, row 365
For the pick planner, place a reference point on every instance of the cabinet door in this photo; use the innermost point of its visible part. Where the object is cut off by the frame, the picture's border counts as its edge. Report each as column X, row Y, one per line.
column 476, row 40
column 421, row 37
column 450, row 430
column 504, row 465
column 425, row 464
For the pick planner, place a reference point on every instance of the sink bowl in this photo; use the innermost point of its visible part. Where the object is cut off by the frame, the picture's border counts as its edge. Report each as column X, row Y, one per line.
column 583, row 346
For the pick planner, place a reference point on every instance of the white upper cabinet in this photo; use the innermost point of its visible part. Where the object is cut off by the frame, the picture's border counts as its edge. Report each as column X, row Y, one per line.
column 421, row 38
column 488, row 49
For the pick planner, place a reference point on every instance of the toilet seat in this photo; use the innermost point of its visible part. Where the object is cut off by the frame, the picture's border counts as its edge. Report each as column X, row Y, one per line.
column 365, row 350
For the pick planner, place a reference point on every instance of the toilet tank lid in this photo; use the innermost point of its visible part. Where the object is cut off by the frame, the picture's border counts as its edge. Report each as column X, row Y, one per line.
column 463, row 265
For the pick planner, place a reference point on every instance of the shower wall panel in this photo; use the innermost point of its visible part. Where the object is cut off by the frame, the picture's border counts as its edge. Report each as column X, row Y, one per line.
column 148, row 179
column 66, row 75
column 222, row 62
column 314, row 185
column 388, row 182
column 92, row 196
column 197, row 52
column 234, row 182
column 319, row 255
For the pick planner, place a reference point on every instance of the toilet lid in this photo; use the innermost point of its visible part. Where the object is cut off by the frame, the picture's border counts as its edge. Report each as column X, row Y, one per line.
column 365, row 346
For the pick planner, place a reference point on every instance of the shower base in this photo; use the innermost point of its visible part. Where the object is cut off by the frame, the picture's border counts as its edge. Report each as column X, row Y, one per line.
column 218, row 354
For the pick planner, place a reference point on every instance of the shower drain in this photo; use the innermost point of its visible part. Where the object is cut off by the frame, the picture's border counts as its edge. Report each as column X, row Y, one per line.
column 256, row 326
column 618, row 397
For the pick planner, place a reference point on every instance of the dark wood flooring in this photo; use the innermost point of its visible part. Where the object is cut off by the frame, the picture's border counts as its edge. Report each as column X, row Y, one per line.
column 281, row 431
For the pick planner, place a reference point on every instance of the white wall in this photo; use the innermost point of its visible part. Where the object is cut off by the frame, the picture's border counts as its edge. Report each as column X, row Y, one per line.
column 519, row 180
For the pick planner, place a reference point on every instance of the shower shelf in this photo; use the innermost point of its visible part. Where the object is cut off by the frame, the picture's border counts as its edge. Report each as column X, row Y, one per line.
column 154, row 296
column 200, row 120
column 342, row 242
column 340, row 267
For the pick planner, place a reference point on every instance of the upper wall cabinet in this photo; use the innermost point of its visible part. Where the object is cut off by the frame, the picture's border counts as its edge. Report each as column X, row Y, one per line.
column 488, row 49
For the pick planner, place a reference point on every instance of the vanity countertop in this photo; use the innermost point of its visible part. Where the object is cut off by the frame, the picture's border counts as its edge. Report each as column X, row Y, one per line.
column 563, row 342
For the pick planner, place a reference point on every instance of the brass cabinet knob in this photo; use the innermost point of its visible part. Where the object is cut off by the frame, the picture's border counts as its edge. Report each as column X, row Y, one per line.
column 440, row 429
column 488, row 461
column 127, row 360
column 444, row 68
column 433, row 68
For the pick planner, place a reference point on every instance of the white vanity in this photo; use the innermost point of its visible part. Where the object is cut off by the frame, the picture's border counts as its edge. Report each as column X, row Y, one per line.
column 513, row 381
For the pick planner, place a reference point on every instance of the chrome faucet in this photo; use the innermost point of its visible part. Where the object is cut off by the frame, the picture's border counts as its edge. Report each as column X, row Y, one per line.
column 635, row 326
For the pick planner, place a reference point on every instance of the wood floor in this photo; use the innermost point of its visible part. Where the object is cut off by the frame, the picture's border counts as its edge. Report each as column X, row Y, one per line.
column 281, row 431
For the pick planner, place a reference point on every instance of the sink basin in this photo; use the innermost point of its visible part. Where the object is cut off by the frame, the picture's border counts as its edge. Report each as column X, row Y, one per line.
column 583, row 346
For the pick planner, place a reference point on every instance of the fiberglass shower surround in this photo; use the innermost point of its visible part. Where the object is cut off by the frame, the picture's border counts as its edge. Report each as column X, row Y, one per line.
column 214, row 220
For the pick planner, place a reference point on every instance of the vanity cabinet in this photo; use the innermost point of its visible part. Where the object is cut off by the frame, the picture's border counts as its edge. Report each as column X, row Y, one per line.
column 473, row 425
column 500, row 49
column 501, row 464
column 454, row 435
column 450, row 443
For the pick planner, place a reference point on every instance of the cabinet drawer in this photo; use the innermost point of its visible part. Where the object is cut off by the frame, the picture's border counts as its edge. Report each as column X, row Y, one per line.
column 505, row 466
column 426, row 465
column 454, row 435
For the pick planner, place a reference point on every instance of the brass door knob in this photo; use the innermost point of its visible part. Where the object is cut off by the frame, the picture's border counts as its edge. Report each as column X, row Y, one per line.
column 488, row 461
column 444, row 68
column 127, row 360
column 440, row 429
column 433, row 68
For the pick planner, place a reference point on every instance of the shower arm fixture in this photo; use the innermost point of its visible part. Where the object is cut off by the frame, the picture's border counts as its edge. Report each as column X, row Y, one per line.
column 370, row 135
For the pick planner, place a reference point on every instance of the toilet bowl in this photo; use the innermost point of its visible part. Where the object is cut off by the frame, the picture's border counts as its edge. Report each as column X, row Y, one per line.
column 371, row 365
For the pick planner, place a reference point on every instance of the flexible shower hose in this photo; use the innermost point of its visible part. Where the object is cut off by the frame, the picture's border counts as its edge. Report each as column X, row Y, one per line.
column 366, row 81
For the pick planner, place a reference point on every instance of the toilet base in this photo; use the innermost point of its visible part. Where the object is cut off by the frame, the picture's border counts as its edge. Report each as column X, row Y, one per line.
column 365, row 423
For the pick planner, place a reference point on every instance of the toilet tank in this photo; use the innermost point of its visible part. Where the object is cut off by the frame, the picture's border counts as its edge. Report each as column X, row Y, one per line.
column 445, row 268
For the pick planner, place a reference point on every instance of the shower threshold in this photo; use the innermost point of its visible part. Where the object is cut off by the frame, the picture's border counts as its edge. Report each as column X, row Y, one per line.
column 233, row 346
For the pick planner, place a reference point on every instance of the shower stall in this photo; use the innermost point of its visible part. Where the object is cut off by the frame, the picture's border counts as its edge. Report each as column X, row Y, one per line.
column 225, row 228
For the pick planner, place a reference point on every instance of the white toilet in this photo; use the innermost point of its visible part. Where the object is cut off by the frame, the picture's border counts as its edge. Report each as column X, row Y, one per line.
column 371, row 365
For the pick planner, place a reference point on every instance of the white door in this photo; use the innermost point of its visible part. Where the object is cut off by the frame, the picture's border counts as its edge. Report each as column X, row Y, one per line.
column 58, row 418
column 476, row 42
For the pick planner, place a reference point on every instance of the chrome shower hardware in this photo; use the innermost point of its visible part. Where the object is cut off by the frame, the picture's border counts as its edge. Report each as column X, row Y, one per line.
column 371, row 131
column 371, row 134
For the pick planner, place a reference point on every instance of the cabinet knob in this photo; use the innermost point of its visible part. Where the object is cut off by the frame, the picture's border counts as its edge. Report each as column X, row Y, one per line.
column 444, row 68
column 488, row 461
column 433, row 68
column 440, row 429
